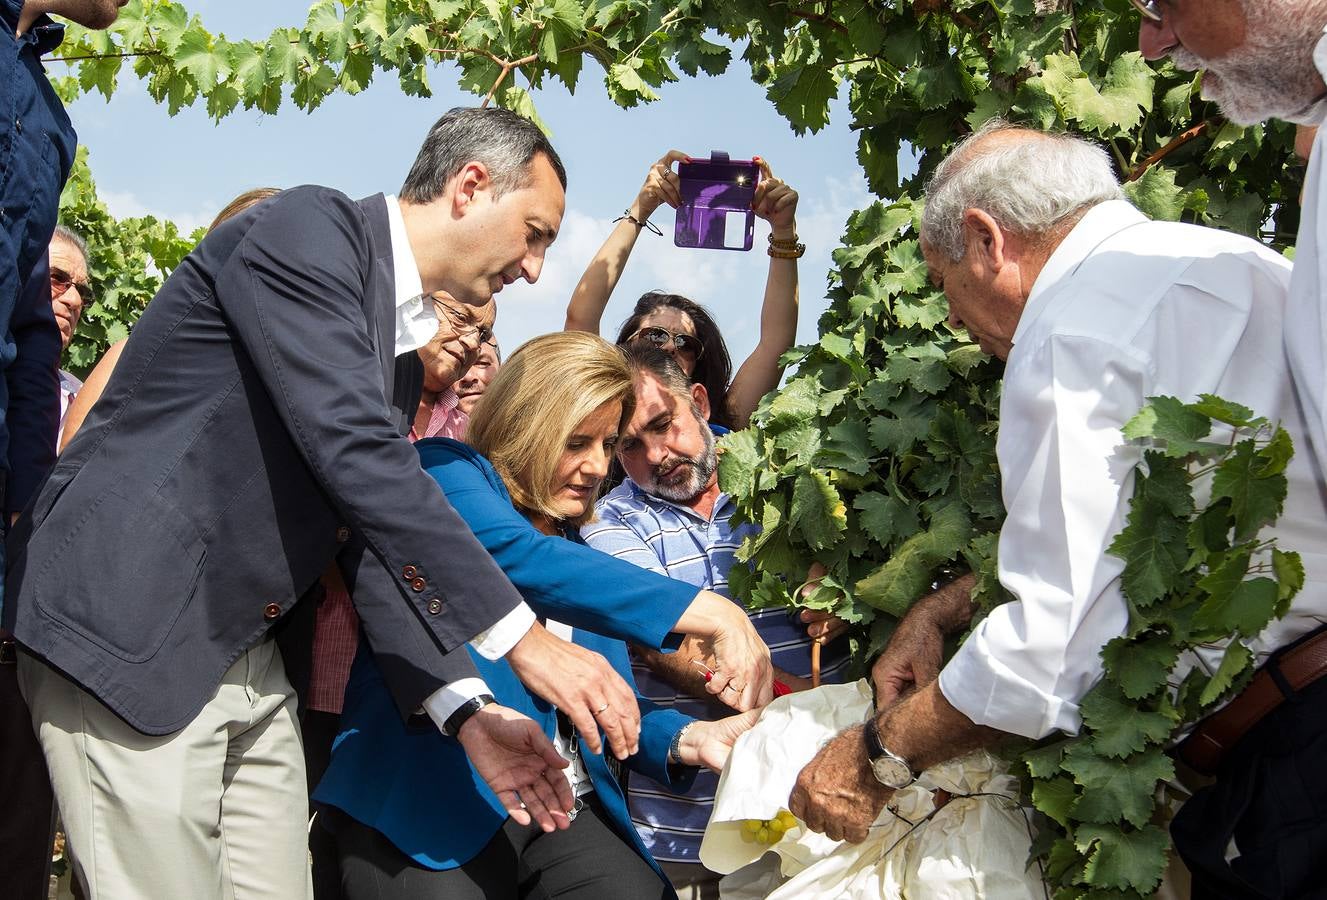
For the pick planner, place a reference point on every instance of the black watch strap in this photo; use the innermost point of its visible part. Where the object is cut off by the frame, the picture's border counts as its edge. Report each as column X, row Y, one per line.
column 874, row 747
column 452, row 726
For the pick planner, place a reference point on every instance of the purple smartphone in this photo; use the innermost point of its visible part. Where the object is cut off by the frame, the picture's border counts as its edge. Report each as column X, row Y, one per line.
column 716, row 203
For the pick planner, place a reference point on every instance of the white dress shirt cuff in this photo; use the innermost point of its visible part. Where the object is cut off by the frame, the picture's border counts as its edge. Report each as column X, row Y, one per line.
column 977, row 683
column 497, row 641
column 443, row 702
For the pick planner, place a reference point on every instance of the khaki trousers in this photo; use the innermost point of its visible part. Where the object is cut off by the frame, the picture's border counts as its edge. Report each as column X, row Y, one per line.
column 215, row 811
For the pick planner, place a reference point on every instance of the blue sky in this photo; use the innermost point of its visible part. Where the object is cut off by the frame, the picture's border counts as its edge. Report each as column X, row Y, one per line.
column 186, row 168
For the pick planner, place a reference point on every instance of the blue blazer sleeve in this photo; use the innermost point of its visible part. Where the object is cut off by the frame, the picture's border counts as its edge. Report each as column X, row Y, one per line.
column 559, row 578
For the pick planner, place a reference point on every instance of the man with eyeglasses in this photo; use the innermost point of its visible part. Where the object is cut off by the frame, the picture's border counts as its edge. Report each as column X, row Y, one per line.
column 71, row 292
column 1266, row 59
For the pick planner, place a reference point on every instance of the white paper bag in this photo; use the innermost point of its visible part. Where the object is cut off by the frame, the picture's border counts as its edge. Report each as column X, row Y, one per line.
column 972, row 847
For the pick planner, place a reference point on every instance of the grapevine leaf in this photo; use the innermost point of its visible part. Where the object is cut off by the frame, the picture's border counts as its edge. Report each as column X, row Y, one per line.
column 1140, row 666
column 893, row 587
column 738, row 462
column 1154, row 549
column 1121, row 727
column 1289, row 571
column 1055, row 798
column 1246, row 611
column 1255, row 499
column 817, row 510
column 1179, row 428
column 1237, row 660
column 1115, row 789
column 886, row 517
column 1123, row 860
column 1044, row 762
column 1233, row 414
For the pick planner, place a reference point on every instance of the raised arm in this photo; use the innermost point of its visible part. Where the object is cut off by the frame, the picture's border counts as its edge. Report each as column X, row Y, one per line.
column 91, row 391
column 588, row 300
column 776, row 203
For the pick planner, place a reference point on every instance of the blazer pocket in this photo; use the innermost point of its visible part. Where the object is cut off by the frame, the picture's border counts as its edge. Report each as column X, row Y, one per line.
column 130, row 581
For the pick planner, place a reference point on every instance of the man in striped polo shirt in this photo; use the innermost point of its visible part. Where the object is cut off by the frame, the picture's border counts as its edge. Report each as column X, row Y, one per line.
column 670, row 516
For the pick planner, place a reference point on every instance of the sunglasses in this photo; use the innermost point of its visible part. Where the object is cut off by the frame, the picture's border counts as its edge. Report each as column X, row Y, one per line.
column 1150, row 9
column 62, row 281
column 660, row 338
column 463, row 325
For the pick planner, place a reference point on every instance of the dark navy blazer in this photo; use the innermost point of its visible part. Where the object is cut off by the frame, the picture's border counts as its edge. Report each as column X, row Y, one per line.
column 415, row 786
column 244, row 442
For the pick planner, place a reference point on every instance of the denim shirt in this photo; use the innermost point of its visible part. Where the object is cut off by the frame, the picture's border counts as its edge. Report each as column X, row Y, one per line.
column 37, row 144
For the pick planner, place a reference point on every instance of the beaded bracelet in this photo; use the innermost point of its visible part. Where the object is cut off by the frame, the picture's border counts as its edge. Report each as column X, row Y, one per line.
column 647, row 224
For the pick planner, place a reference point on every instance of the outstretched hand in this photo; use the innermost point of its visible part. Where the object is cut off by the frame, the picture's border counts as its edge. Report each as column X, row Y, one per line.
column 518, row 761
column 709, row 743
column 583, row 685
column 916, row 650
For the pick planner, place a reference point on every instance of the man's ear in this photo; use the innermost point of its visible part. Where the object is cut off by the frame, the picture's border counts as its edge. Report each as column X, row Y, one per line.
column 469, row 184
column 983, row 236
column 701, row 398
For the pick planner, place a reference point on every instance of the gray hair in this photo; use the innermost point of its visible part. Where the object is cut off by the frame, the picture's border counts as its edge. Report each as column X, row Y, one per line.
column 1029, row 185
column 73, row 239
column 500, row 139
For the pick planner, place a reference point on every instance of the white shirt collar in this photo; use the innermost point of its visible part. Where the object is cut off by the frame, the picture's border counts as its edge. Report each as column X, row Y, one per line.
column 416, row 319
column 1097, row 225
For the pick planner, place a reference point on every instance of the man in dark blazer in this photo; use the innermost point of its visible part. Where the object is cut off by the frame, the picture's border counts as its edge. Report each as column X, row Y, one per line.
column 245, row 440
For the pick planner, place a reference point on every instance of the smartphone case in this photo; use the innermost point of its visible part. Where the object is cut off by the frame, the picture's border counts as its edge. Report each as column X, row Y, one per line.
column 711, row 189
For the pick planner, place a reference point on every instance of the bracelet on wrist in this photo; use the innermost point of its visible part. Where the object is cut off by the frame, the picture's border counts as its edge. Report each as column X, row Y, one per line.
column 452, row 727
column 646, row 224
column 785, row 248
column 796, row 252
column 675, row 748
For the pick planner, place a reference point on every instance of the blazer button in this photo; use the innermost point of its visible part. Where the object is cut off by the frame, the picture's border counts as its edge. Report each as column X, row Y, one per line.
column 409, row 573
column 271, row 611
column 435, row 607
column 342, row 534
column 418, row 585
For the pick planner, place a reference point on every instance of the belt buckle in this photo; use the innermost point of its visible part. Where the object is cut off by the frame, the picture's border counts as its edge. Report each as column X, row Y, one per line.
column 8, row 653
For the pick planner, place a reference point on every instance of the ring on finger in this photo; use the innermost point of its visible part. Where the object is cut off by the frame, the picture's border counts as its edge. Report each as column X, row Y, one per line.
column 601, row 709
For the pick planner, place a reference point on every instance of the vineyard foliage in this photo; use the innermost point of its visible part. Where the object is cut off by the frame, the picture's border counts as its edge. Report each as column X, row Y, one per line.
column 877, row 456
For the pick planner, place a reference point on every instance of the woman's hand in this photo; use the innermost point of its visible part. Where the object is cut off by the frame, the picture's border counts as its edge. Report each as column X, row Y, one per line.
column 661, row 186
column 776, row 203
column 743, row 676
column 709, row 743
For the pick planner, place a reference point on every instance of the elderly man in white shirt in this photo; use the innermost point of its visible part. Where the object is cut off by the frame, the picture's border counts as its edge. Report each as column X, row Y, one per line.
column 1095, row 308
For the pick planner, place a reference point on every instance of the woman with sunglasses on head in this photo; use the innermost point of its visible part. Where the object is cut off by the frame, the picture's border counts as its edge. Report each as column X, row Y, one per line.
column 412, row 819
column 683, row 327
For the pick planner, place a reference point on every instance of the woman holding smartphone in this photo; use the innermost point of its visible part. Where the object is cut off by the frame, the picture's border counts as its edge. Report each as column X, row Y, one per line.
column 683, row 327
column 412, row 818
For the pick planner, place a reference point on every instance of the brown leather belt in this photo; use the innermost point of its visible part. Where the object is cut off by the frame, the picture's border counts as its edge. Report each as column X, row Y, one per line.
column 1290, row 670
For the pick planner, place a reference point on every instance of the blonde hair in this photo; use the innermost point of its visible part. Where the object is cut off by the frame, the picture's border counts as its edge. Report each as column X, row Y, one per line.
column 243, row 202
column 534, row 404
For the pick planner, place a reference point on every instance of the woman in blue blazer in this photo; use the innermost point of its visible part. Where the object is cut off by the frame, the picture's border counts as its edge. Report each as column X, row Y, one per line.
column 412, row 817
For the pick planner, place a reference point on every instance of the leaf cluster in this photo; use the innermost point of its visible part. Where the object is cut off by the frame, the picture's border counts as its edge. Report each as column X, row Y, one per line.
column 1194, row 575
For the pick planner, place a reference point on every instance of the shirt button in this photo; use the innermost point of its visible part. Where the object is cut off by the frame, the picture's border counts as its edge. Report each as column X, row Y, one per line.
column 271, row 611
column 435, row 607
column 342, row 534
column 418, row 585
column 409, row 572
column 18, row 125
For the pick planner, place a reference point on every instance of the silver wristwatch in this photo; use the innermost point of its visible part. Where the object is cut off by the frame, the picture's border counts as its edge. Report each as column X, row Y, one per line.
column 889, row 768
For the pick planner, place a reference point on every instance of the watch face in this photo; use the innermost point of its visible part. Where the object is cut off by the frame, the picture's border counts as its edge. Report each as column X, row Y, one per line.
column 892, row 772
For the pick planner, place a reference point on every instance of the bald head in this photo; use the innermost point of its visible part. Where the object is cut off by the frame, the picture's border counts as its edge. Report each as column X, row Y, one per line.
column 1032, row 183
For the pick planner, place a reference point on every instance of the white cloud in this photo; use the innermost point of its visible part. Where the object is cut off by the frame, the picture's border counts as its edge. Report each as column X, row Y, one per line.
column 124, row 204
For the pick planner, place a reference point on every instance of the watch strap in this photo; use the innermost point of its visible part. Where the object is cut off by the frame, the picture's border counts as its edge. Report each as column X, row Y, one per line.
column 875, row 748
column 452, row 727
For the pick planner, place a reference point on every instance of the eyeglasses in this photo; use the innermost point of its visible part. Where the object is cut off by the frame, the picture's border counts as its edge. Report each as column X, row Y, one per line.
column 62, row 281
column 1151, row 9
column 660, row 338
column 463, row 324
